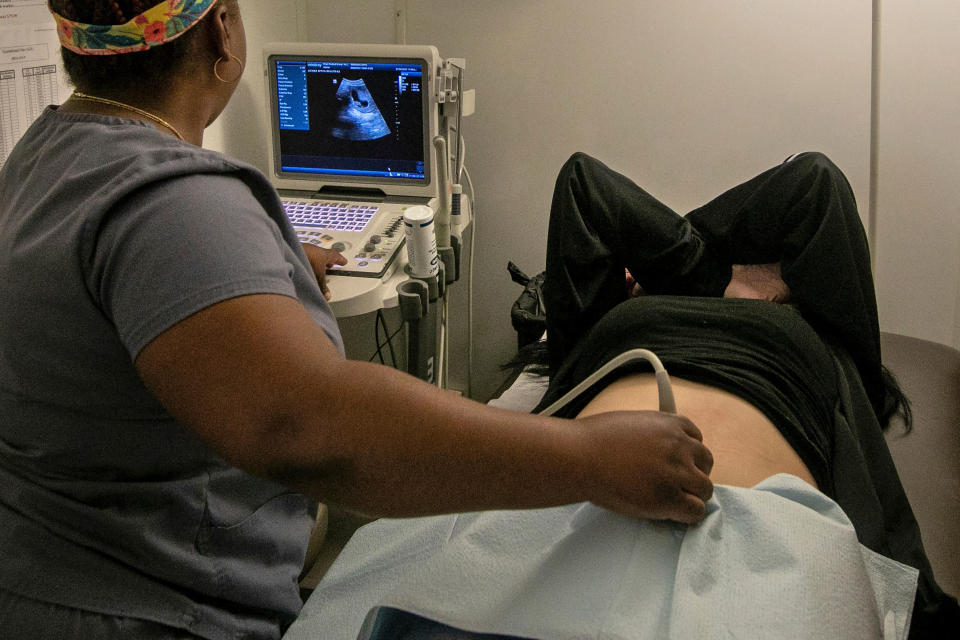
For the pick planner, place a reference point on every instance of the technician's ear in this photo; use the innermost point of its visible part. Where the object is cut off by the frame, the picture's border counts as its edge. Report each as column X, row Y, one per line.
column 227, row 31
column 227, row 43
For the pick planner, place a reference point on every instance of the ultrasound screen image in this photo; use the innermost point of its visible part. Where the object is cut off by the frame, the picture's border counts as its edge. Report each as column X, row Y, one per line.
column 351, row 118
column 359, row 118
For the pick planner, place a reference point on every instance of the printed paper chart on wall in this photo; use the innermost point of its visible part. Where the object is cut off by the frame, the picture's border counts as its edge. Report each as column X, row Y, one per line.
column 31, row 71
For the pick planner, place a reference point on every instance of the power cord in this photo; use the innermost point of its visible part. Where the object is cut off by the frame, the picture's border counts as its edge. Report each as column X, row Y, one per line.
column 381, row 321
column 471, row 198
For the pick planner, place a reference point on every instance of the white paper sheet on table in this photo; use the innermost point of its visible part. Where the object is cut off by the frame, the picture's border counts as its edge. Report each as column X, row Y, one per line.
column 778, row 560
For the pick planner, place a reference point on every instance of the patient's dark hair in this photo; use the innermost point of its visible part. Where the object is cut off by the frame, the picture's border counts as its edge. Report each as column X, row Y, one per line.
column 533, row 357
column 895, row 403
column 105, row 74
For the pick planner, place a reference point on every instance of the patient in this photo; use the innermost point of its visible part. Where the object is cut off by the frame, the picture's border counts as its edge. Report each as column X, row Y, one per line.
column 775, row 388
column 747, row 446
column 796, row 388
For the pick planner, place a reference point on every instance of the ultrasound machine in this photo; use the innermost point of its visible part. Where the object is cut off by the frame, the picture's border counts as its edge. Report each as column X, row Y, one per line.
column 352, row 129
column 359, row 133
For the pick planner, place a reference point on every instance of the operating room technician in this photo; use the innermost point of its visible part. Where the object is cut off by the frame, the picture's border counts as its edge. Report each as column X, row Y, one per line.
column 173, row 393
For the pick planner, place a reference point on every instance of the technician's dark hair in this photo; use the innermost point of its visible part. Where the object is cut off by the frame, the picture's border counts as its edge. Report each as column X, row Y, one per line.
column 149, row 69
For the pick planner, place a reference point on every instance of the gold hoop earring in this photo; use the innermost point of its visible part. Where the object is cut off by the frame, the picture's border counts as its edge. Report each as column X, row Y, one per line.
column 216, row 71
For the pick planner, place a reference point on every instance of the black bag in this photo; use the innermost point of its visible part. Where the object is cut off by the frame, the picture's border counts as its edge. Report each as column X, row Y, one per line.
column 528, row 313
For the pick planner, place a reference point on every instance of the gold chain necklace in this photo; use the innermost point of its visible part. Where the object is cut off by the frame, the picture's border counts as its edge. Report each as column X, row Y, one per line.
column 114, row 103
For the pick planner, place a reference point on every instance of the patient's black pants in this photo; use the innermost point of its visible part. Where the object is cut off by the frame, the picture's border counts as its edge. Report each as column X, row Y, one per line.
column 801, row 213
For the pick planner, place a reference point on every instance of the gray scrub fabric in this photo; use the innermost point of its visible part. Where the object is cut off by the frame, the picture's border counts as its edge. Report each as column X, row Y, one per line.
column 26, row 619
column 110, row 233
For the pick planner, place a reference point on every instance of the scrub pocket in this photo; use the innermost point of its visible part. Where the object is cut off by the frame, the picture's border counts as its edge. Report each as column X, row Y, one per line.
column 255, row 533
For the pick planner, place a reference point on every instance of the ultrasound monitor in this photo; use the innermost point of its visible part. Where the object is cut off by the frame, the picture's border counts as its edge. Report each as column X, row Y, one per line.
column 348, row 117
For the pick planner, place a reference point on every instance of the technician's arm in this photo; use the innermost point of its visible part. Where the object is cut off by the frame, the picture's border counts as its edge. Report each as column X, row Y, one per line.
column 262, row 384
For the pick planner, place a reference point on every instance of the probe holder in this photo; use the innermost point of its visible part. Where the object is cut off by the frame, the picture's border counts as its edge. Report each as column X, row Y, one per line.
column 417, row 298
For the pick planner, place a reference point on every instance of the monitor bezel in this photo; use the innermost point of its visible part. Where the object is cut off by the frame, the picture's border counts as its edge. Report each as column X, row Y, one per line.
column 378, row 53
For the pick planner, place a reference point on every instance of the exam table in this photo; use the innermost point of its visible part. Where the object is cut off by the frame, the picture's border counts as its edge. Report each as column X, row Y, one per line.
column 928, row 458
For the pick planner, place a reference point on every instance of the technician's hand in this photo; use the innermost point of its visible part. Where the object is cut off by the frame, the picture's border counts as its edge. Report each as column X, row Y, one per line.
column 321, row 260
column 649, row 465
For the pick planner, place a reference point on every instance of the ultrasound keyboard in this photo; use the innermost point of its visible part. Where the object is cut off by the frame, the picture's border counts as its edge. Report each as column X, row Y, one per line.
column 339, row 216
column 369, row 235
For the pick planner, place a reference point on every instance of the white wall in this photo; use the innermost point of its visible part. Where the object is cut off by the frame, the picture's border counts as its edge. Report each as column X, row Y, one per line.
column 918, row 205
column 241, row 130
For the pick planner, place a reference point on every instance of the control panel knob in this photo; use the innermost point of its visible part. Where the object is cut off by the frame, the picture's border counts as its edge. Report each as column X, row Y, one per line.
column 338, row 246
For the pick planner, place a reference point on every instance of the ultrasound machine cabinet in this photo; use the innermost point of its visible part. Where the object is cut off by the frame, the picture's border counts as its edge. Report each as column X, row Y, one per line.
column 351, row 144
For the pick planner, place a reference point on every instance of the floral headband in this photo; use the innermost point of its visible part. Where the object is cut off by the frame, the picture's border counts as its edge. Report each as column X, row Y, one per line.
column 161, row 23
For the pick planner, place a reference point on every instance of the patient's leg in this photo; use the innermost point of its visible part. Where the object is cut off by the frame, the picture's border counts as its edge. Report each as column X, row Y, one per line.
column 803, row 214
column 600, row 223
